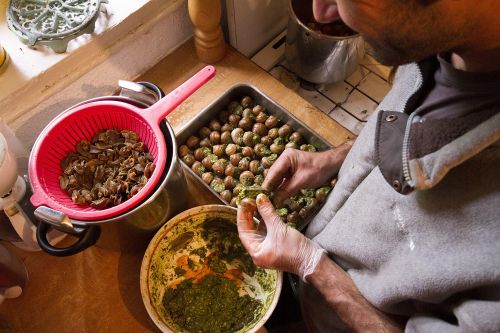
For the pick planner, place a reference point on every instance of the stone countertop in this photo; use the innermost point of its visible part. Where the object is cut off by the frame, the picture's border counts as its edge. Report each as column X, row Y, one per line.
column 97, row 290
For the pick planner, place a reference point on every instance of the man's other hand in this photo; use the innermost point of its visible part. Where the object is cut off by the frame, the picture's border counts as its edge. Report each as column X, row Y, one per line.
column 295, row 170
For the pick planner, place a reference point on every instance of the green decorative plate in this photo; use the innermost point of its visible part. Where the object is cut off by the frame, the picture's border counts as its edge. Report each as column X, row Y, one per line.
column 52, row 22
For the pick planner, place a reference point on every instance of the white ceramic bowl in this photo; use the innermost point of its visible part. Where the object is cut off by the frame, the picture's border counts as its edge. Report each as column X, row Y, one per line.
column 179, row 237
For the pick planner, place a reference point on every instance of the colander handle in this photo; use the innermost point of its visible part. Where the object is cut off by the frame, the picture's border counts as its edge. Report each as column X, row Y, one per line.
column 157, row 112
column 37, row 198
column 87, row 238
column 87, row 235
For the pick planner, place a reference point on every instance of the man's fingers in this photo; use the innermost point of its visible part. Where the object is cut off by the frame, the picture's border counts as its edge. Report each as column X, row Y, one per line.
column 261, row 228
column 267, row 212
column 278, row 171
column 286, row 190
column 244, row 216
column 246, row 230
column 289, row 188
column 279, row 196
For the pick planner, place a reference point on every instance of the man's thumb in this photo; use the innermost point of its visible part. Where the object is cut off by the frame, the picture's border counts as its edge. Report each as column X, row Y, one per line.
column 267, row 211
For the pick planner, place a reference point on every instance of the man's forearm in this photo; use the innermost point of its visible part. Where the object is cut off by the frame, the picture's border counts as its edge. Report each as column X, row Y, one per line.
column 339, row 291
column 340, row 152
column 331, row 160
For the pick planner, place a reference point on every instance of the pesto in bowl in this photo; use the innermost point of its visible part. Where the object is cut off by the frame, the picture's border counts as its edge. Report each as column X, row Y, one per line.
column 196, row 276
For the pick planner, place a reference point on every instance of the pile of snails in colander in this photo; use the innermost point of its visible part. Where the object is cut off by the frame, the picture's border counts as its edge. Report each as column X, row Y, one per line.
column 236, row 150
column 106, row 171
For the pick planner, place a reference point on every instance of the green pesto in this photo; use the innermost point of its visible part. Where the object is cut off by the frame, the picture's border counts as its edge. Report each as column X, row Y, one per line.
column 218, row 308
column 155, row 272
column 206, row 151
column 302, row 199
column 326, row 188
column 246, row 181
column 280, row 141
column 179, row 271
column 282, row 212
column 308, row 192
column 238, row 110
column 191, row 264
column 266, row 151
column 215, row 239
column 250, row 192
column 222, row 236
column 273, row 157
column 213, row 158
column 201, row 252
column 217, row 185
column 258, row 180
column 217, row 265
column 311, row 148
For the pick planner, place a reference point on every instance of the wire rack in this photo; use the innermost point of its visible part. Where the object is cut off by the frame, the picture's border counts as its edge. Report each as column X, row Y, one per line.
column 52, row 23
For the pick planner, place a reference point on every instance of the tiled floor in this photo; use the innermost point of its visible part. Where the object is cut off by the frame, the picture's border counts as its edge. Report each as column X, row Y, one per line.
column 349, row 102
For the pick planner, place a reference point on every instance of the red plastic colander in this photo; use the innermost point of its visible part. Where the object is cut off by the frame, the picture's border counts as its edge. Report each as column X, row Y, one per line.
column 81, row 123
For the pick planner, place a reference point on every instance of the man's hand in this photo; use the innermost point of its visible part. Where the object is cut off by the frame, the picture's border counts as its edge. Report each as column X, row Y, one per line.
column 273, row 244
column 296, row 169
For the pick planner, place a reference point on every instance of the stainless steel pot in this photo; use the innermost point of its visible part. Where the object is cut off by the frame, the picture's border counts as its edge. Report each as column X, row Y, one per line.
column 316, row 57
column 131, row 230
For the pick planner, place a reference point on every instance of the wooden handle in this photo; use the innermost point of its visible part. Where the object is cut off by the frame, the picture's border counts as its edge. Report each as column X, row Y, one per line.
column 3, row 59
column 208, row 37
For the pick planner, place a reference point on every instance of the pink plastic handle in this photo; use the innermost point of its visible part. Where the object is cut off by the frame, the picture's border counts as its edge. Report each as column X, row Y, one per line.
column 157, row 112
column 37, row 198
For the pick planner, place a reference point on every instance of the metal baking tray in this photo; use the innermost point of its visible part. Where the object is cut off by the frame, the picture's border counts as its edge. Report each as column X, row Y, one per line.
column 236, row 92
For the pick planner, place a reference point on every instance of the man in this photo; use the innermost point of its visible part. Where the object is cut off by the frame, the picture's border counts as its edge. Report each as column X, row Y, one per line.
column 409, row 239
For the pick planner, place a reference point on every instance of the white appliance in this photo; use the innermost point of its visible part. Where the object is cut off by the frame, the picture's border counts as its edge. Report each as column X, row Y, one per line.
column 15, row 225
column 12, row 190
column 253, row 23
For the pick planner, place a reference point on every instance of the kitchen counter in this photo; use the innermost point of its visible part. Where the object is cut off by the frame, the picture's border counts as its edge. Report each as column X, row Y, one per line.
column 98, row 290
